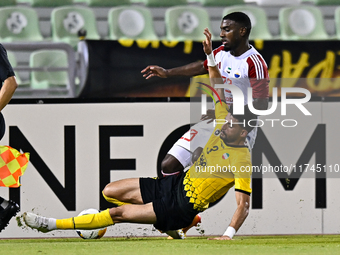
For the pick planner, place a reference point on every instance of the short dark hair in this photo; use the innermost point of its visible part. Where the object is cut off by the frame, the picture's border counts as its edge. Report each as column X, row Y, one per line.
column 240, row 18
column 246, row 117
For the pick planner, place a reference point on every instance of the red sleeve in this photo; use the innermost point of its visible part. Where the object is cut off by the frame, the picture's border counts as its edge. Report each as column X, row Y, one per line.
column 258, row 76
column 215, row 51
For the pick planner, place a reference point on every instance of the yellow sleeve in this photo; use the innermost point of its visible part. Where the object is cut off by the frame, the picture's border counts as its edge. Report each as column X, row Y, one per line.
column 242, row 177
column 221, row 110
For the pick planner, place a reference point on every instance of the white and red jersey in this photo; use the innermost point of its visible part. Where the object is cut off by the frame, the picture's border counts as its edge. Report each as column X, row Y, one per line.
column 247, row 70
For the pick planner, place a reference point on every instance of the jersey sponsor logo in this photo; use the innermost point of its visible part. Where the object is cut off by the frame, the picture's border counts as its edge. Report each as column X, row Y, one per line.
column 225, row 155
column 237, row 74
column 202, row 161
column 217, row 132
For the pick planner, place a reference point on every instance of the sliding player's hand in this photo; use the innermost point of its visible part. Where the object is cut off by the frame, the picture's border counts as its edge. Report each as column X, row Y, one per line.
column 221, row 238
column 151, row 71
column 209, row 116
column 207, row 44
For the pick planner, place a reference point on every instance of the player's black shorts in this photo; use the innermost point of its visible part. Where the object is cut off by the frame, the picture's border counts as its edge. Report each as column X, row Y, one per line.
column 172, row 210
column 2, row 126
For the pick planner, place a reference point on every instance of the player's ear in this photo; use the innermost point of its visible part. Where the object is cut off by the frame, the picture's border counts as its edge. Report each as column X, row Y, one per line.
column 244, row 133
column 243, row 31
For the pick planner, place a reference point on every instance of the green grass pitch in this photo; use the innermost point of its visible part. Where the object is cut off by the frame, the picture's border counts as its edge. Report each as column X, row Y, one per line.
column 302, row 244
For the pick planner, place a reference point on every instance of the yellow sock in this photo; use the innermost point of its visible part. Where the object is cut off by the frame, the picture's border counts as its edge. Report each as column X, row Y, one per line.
column 114, row 201
column 88, row 221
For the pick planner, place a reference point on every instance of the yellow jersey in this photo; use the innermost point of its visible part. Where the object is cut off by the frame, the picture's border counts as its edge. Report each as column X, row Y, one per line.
column 219, row 167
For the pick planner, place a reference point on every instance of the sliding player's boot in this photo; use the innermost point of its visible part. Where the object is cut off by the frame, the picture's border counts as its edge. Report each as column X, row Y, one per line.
column 194, row 223
column 40, row 223
column 175, row 234
column 181, row 234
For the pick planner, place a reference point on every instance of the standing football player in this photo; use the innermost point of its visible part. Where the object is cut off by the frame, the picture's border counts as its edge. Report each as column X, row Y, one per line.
column 240, row 64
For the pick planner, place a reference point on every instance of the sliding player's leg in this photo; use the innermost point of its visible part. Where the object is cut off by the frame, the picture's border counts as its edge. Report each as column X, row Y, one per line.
column 156, row 195
column 126, row 213
column 119, row 192
column 126, row 191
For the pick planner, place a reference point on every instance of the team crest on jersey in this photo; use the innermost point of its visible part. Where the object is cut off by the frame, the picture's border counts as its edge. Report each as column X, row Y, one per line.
column 202, row 161
column 217, row 132
column 237, row 74
column 225, row 155
column 228, row 70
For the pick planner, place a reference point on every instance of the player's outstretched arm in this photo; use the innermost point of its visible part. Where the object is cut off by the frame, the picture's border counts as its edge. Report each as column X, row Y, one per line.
column 7, row 91
column 192, row 69
column 241, row 213
column 214, row 73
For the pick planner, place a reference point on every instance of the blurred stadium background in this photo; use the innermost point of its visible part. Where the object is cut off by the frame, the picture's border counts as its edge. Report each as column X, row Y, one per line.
column 42, row 26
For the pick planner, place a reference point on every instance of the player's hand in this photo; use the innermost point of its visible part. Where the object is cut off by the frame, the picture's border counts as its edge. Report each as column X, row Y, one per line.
column 221, row 238
column 151, row 71
column 207, row 44
column 209, row 116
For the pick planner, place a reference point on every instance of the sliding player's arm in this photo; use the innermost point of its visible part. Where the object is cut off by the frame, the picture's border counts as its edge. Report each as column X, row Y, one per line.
column 214, row 73
column 241, row 213
column 242, row 194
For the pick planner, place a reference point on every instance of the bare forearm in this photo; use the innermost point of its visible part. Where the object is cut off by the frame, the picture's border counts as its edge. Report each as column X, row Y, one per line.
column 239, row 217
column 192, row 69
column 216, row 78
column 214, row 73
column 7, row 91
